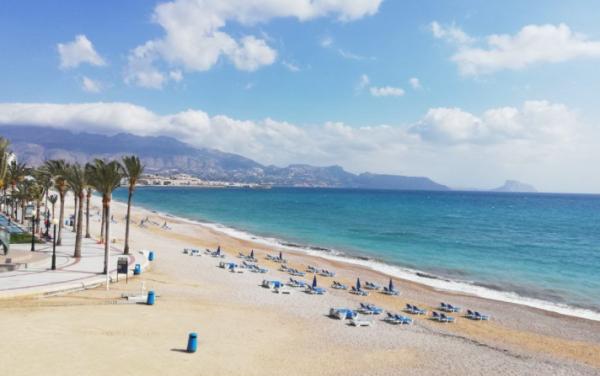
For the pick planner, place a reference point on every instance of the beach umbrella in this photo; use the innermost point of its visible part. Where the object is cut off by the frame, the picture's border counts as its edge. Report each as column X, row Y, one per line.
column 252, row 254
column 314, row 284
column 391, row 285
column 280, row 255
column 358, row 283
column 218, row 250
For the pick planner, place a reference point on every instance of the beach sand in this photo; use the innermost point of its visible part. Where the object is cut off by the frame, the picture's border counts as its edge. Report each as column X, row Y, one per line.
column 245, row 329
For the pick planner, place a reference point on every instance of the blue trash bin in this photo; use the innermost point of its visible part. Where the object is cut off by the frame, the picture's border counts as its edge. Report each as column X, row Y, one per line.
column 137, row 270
column 151, row 297
column 192, row 343
column 151, row 256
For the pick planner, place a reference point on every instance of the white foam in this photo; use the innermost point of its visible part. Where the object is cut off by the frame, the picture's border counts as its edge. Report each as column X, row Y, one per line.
column 403, row 273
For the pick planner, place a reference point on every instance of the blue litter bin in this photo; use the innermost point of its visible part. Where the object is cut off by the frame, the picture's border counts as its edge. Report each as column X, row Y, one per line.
column 151, row 297
column 192, row 343
column 151, row 256
column 137, row 270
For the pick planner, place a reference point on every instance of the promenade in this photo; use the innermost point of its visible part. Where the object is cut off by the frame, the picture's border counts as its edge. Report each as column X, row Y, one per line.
column 70, row 274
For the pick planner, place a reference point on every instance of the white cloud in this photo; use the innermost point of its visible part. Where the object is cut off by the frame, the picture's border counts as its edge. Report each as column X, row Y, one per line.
column 533, row 44
column 176, row 75
column 363, row 82
column 542, row 143
column 91, row 86
column 79, row 51
column 386, row 91
column 450, row 33
column 194, row 38
column 326, row 42
column 291, row 66
column 415, row 83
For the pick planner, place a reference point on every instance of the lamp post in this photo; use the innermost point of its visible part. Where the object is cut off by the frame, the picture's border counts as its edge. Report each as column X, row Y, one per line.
column 32, row 233
column 54, row 223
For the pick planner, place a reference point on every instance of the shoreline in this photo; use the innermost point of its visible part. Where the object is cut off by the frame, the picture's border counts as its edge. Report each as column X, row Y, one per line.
column 240, row 324
column 424, row 278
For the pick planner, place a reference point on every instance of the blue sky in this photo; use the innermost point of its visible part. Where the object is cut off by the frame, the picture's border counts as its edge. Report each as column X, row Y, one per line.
column 291, row 70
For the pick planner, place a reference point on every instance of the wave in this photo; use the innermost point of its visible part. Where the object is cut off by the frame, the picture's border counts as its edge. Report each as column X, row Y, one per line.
column 408, row 274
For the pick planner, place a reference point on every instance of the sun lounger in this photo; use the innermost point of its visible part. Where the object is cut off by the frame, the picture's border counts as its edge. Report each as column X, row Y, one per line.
column 391, row 318
column 312, row 269
column 447, row 318
column 326, row 273
column 372, row 286
column 404, row 320
column 360, row 292
column 476, row 315
column 448, row 307
column 315, row 290
column 359, row 321
column 342, row 313
column 387, row 291
column 369, row 309
column 339, row 286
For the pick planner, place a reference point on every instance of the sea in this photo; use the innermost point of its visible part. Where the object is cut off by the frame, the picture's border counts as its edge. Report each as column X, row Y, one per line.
column 540, row 250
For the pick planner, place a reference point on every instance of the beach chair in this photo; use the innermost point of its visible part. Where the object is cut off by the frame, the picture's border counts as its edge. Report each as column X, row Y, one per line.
column 404, row 320
column 452, row 308
column 418, row 311
column 372, row 286
column 445, row 318
column 436, row 316
column 387, row 291
column 359, row 321
column 479, row 316
column 391, row 318
column 342, row 313
column 369, row 309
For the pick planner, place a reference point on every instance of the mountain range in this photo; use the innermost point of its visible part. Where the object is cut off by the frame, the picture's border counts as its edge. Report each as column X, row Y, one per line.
column 165, row 155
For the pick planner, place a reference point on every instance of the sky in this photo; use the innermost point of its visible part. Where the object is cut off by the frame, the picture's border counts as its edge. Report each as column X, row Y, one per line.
column 468, row 93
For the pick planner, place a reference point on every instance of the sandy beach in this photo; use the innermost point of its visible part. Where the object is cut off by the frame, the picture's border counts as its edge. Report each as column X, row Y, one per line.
column 246, row 329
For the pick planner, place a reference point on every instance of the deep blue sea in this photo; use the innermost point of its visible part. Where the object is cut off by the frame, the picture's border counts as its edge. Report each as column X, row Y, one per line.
column 542, row 246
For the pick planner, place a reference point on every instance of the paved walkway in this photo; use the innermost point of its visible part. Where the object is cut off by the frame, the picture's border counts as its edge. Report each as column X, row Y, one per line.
column 70, row 273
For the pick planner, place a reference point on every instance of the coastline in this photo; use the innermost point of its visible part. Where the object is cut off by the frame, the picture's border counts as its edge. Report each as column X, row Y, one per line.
column 389, row 270
column 246, row 329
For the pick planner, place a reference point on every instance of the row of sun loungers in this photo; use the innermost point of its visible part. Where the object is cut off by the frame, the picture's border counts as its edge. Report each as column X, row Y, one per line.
column 394, row 318
column 415, row 310
column 441, row 317
column 278, row 258
column 369, row 309
column 321, row 272
column 296, row 283
column 249, row 257
column 448, row 307
column 254, row 268
column 292, row 271
column 474, row 315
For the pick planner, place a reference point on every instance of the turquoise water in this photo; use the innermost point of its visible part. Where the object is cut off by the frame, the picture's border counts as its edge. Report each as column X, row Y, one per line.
column 542, row 246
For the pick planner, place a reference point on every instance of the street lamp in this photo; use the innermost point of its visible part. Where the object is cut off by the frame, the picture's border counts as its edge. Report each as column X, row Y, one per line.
column 54, row 223
column 32, row 233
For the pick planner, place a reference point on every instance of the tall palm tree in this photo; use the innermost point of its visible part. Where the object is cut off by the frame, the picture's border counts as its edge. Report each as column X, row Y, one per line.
column 105, row 177
column 4, row 154
column 52, row 199
column 77, row 180
column 133, row 171
column 88, row 197
column 57, row 169
column 36, row 194
column 17, row 173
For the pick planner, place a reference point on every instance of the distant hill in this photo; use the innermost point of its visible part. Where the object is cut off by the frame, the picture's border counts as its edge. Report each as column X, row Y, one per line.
column 166, row 155
column 515, row 186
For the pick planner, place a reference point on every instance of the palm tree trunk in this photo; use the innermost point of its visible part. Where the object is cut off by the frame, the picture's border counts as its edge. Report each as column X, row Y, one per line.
column 37, row 216
column 103, row 223
column 79, row 224
column 87, row 213
column 107, row 231
column 61, row 218
column 76, row 199
column 127, row 220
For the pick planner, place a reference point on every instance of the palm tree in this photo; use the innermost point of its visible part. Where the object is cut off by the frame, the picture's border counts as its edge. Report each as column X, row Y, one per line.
column 36, row 194
column 88, row 196
column 133, row 171
column 16, row 172
column 4, row 154
column 105, row 177
column 57, row 169
column 77, row 180
column 52, row 199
